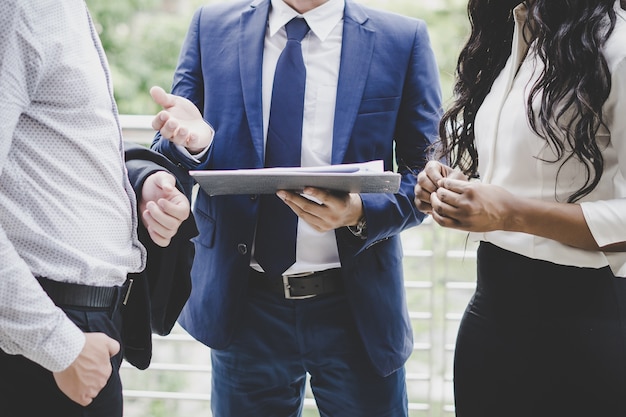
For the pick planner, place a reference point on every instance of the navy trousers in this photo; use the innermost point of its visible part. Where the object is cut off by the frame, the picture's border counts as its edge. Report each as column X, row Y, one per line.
column 540, row 339
column 28, row 390
column 263, row 372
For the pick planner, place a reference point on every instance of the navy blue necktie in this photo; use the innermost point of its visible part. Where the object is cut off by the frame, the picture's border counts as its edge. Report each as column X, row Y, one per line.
column 277, row 225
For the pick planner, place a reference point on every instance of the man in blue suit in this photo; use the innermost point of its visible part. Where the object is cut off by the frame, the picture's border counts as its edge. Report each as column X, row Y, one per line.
column 338, row 312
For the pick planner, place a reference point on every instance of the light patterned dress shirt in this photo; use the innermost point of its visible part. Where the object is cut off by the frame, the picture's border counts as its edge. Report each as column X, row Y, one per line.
column 67, row 210
column 511, row 155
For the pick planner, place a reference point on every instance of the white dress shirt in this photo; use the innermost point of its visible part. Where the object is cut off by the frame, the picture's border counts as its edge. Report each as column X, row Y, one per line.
column 511, row 155
column 67, row 210
column 321, row 50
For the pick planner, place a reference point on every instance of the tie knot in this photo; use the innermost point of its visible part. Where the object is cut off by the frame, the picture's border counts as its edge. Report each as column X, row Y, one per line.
column 296, row 28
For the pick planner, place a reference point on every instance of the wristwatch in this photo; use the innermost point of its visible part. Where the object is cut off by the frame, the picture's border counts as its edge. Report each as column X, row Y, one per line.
column 359, row 229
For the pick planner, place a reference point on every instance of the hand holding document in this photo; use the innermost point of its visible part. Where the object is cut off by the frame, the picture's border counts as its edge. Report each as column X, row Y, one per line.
column 367, row 177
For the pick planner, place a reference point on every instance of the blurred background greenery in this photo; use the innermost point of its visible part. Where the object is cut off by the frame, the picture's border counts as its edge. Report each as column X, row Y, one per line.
column 142, row 39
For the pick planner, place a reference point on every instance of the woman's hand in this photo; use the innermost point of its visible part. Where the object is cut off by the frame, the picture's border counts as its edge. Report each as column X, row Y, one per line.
column 472, row 206
column 427, row 183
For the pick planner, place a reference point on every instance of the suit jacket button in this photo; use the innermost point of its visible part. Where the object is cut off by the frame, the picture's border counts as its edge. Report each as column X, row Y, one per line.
column 242, row 248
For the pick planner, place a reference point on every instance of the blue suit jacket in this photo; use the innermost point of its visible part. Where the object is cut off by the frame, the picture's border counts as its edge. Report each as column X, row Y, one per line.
column 388, row 94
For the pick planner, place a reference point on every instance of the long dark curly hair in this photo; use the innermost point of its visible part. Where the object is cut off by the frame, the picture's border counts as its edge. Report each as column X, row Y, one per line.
column 575, row 82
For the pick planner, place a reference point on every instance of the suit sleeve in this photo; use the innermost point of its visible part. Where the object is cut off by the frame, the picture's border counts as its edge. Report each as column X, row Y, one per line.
column 415, row 131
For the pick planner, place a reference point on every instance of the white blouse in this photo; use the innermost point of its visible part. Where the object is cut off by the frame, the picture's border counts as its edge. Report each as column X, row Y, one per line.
column 511, row 155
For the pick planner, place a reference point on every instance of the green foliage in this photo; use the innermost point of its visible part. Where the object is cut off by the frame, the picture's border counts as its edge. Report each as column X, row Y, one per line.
column 142, row 39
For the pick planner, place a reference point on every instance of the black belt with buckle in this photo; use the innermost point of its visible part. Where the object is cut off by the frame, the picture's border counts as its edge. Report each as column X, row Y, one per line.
column 65, row 294
column 299, row 286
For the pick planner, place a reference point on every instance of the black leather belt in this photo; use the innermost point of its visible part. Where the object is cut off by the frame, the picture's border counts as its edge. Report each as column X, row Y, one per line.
column 65, row 294
column 300, row 285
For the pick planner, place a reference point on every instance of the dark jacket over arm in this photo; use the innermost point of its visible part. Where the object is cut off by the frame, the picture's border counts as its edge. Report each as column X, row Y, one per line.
column 160, row 291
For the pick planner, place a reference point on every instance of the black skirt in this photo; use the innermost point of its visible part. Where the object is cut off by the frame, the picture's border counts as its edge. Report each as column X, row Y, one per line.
column 540, row 339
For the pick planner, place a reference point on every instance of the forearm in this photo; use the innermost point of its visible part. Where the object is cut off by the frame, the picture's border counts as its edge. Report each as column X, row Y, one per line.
column 562, row 222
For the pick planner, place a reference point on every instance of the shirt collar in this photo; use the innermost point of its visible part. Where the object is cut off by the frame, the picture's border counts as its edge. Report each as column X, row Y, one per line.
column 322, row 20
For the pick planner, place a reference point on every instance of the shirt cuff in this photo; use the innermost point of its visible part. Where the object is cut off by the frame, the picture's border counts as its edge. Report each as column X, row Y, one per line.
column 62, row 348
column 606, row 220
column 197, row 158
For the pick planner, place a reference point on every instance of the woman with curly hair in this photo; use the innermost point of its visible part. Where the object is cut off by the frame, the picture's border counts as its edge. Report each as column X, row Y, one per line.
column 535, row 152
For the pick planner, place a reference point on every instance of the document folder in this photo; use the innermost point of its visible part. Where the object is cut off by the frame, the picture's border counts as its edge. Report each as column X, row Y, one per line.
column 366, row 177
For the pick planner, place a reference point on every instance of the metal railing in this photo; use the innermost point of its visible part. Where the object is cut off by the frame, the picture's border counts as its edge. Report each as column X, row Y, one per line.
column 439, row 266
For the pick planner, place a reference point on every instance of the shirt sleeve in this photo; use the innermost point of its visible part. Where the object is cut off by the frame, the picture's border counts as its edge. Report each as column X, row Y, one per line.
column 30, row 324
column 606, row 219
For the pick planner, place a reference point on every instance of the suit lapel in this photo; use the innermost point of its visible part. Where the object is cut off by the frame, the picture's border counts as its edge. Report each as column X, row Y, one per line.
column 356, row 53
column 252, row 27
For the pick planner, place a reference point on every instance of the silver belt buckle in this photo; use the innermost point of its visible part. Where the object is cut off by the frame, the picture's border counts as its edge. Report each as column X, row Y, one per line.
column 287, row 286
column 130, row 286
